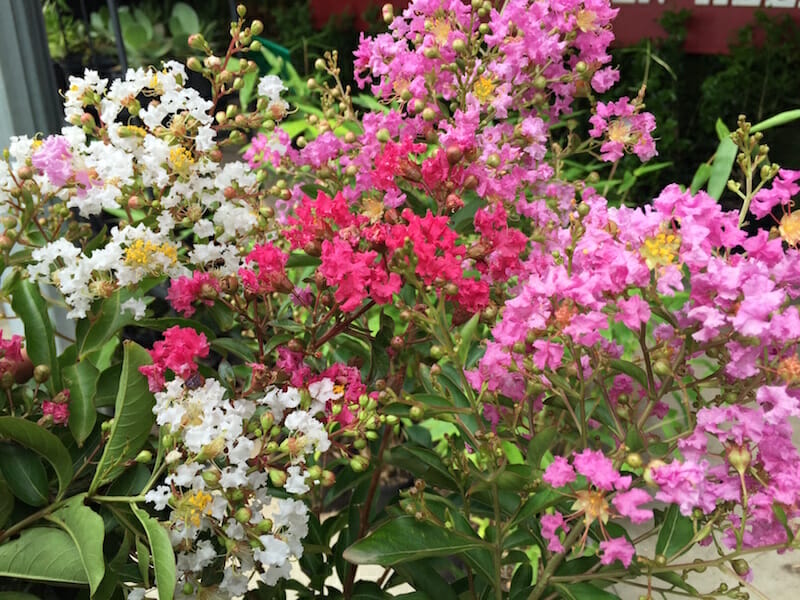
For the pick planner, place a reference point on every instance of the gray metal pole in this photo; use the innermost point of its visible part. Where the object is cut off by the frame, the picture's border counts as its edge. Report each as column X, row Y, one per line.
column 29, row 100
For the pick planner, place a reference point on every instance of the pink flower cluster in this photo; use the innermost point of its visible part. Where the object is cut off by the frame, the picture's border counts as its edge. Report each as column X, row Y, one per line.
column 177, row 353
column 185, row 291
column 601, row 479
column 623, row 127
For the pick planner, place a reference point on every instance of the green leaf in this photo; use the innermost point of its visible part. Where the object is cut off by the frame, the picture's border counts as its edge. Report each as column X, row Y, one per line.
column 700, row 177
column 468, row 332
column 677, row 581
column 41, row 441
column 42, row 554
column 425, row 578
column 301, row 259
column 721, row 168
column 81, row 380
column 584, row 591
column 404, row 539
column 539, row 444
column 85, row 528
column 17, row 596
column 631, row 370
column 676, row 532
column 184, row 20
column 24, row 473
column 92, row 333
column 143, row 560
column 161, row 550
column 776, row 121
column 133, row 417
column 6, row 501
column 723, row 133
column 237, row 347
column 40, row 340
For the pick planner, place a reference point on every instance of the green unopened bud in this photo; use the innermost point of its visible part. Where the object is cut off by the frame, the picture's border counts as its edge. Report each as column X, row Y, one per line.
column 196, row 42
column 459, row 46
column 741, row 566
column 144, row 457
column 264, row 526
column 277, row 477
column 360, row 444
column 41, row 373
column 320, row 64
column 359, row 463
column 210, row 477
column 256, row 27
column 241, row 10
column 417, row 412
column 328, row 478
column 493, row 160
column 383, row 135
column 236, row 495
column 580, row 67
column 662, row 368
column 194, row 64
column 243, row 515
column 634, row 459
column 428, row 114
column 540, row 82
column 740, row 458
column 188, row 589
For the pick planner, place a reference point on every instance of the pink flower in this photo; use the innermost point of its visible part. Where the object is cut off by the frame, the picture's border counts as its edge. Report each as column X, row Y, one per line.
column 184, row 291
column 627, row 503
column 634, row 311
column 271, row 273
column 177, row 353
column 54, row 159
column 597, row 468
column 623, row 129
column 781, row 192
column 549, row 525
column 559, row 472
column 617, row 549
column 547, row 355
column 684, row 484
column 58, row 411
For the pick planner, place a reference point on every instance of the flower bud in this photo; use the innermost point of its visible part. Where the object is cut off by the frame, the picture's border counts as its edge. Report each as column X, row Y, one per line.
column 359, row 463
column 256, row 27
column 196, row 42
column 241, row 10
column 428, row 114
column 320, row 64
column 41, row 373
column 210, row 477
column 417, row 412
column 277, row 478
column 328, row 478
column 144, row 457
column 387, row 13
column 383, row 135
column 459, row 46
column 243, row 515
column 454, row 154
column 740, row 458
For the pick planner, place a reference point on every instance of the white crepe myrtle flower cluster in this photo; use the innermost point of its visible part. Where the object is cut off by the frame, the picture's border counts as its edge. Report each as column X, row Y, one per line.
column 230, row 461
column 144, row 149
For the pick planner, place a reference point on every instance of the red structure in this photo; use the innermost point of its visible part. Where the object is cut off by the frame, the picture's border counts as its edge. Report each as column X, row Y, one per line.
column 710, row 29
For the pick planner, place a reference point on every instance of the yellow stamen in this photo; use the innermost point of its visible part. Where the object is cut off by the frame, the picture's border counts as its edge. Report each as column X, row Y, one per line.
column 789, row 228
column 483, row 89
column 593, row 505
column 181, row 159
column 585, row 20
column 441, row 31
column 661, row 249
column 194, row 506
column 139, row 253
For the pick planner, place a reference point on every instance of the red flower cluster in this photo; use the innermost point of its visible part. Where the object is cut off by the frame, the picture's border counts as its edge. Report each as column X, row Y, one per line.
column 176, row 352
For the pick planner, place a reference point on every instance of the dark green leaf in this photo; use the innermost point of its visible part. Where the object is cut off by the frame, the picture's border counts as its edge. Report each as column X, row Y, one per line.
column 6, row 501
column 237, row 347
column 183, row 20
column 676, row 532
column 301, row 259
column 85, row 528
column 133, row 417
column 24, row 473
column 92, row 333
column 41, row 441
column 540, row 443
column 40, row 340
column 81, row 380
column 404, row 539
column 42, row 554
column 162, row 553
column 425, row 578
column 143, row 561
column 468, row 331
column 630, row 369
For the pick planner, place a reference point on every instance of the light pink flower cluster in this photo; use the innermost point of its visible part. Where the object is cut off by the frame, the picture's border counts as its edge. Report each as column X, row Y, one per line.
column 591, row 503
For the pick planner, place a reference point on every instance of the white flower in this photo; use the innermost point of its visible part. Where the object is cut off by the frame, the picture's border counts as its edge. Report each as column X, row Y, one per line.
column 233, row 583
column 159, row 497
column 314, row 434
column 196, row 561
column 275, row 552
column 278, row 401
column 136, row 306
column 296, row 482
column 271, row 86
